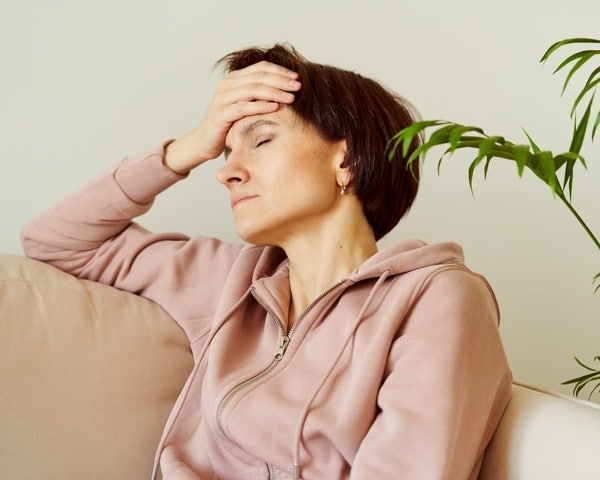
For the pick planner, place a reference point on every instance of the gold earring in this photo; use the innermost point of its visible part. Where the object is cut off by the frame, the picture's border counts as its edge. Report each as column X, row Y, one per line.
column 343, row 189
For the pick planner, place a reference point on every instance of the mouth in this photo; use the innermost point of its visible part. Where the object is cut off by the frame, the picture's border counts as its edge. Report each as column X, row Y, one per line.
column 235, row 201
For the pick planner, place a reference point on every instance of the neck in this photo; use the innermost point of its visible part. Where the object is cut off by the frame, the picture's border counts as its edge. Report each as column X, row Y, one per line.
column 313, row 270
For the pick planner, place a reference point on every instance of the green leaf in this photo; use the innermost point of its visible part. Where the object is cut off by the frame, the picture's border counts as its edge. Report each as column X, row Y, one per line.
column 594, row 390
column 591, row 369
column 458, row 133
column 406, row 136
column 569, row 159
column 581, row 379
column 587, row 54
column 596, row 124
column 534, row 147
column 592, row 76
column 581, row 129
column 579, row 383
column 486, row 150
column 555, row 46
column 546, row 170
column 584, row 91
column 439, row 137
column 442, row 134
column 472, row 168
column 582, row 61
column 521, row 154
column 595, row 378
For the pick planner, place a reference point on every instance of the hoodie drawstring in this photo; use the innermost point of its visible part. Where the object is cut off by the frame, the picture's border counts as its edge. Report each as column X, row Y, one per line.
column 328, row 371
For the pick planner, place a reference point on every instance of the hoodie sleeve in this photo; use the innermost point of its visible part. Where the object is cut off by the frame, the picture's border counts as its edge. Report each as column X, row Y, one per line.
column 446, row 387
column 91, row 234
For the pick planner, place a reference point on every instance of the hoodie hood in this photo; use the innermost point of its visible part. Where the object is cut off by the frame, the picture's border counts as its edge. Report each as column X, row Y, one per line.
column 408, row 256
column 396, row 259
column 271, row 275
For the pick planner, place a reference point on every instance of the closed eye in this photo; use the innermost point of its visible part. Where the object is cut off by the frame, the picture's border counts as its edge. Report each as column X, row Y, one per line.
column 262, row 142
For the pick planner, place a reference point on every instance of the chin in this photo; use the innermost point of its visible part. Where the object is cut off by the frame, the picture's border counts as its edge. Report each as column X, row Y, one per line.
column 253, row 236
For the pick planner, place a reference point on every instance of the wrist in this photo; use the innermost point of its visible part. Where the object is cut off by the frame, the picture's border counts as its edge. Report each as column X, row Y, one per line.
column 181, row 156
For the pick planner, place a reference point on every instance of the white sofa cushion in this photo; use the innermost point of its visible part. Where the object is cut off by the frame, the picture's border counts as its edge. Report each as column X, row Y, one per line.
column 544, row 436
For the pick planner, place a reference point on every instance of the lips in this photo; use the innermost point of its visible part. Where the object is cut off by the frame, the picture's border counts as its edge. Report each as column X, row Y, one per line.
column 236, row 200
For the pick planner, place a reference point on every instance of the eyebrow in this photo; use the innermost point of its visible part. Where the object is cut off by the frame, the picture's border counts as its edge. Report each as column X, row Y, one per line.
column 247, row 130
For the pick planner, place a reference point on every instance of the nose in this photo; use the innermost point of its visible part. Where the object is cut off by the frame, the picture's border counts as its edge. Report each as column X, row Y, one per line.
column 233, row 171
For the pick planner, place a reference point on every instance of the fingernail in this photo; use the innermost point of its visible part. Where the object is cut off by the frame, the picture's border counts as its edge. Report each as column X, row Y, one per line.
column 294, row 84
column 292, row 74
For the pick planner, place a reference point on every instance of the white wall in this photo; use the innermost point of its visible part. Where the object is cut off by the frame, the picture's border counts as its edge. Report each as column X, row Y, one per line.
column 84, row 83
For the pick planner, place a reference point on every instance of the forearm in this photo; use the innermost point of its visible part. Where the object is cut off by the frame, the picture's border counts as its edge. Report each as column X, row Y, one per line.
column 70, row 233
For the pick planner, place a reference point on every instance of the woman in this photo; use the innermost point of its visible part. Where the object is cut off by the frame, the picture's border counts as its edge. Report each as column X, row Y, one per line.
column 316, row 355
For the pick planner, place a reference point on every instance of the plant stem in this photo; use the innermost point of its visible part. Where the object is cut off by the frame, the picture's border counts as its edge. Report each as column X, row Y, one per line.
column 580, row 220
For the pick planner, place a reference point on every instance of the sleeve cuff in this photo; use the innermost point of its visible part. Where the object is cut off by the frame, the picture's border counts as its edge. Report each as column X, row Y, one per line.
column 142, row 177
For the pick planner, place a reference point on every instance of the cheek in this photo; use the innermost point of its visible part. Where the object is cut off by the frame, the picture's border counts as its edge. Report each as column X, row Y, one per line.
column 317, row 195
column 312, row 184
column 304, row 167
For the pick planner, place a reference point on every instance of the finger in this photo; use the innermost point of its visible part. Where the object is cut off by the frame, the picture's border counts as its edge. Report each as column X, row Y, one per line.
column 234, row 112
column 260, row 86
column 228, row 115
column 257, row 107
column 268, row 77
column 258, row 91
column 266, row 67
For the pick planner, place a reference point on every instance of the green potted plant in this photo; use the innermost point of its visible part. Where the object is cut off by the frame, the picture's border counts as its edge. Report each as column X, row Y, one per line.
column 555, row 170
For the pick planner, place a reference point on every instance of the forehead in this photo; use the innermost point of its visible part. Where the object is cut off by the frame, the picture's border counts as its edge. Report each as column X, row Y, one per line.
column 284, row 117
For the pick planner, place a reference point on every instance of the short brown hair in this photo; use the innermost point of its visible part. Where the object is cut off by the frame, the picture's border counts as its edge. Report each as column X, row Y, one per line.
column 341, row 104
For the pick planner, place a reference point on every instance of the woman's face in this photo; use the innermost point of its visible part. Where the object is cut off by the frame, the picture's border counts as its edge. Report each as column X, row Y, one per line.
column 282, row 178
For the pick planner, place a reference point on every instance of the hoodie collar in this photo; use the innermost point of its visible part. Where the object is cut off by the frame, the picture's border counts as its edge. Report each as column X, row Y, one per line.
column 408, row 256
column 271, row 275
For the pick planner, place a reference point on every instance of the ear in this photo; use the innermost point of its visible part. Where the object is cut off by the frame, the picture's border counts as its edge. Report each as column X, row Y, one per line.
column 342, row 170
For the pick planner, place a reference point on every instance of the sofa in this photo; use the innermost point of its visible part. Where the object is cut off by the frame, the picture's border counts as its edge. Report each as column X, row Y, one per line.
column 88, row 375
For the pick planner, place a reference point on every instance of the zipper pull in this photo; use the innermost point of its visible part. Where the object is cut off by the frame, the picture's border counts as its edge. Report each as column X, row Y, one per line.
column 284, row 341
column 296, row 469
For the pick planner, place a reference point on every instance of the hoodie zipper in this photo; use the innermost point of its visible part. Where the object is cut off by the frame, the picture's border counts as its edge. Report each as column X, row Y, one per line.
column 282, row 345
column 272, row 472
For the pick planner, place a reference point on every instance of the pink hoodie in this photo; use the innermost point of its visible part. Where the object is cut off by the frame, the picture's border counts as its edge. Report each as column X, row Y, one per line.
column 396, row 372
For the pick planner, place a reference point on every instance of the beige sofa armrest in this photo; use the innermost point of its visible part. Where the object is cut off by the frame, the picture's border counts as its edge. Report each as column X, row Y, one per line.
column 88, row 375
column 544, row 435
